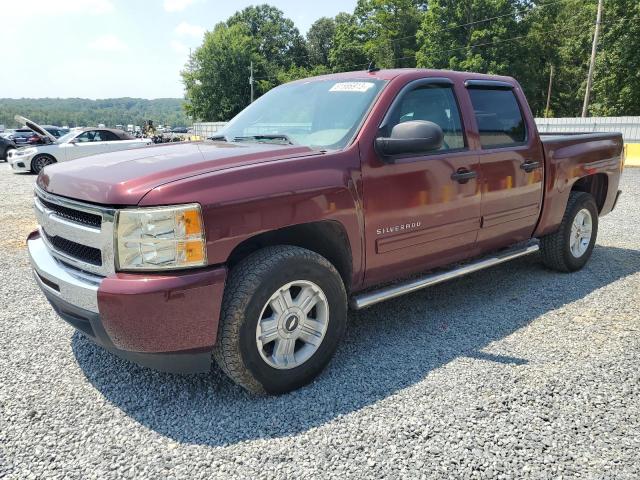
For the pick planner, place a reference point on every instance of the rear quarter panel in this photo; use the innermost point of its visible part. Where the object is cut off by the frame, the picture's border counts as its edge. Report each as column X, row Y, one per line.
column 569, row 158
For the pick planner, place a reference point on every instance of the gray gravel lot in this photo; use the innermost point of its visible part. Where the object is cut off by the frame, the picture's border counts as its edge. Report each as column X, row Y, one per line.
column 514, row 372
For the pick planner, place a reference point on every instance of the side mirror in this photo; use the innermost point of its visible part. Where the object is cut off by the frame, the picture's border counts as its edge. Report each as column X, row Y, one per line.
column 415, row 136
column 73, row 141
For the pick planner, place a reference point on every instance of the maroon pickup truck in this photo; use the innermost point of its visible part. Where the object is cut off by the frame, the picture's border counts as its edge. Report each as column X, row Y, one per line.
column 326, row 193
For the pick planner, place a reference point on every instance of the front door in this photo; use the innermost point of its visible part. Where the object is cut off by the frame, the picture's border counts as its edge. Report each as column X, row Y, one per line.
column 511, row 166
column 87, row 143
column 419, row 212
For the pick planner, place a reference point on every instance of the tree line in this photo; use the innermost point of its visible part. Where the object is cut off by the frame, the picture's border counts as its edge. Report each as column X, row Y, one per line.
column 84, row 112
column 521, row 38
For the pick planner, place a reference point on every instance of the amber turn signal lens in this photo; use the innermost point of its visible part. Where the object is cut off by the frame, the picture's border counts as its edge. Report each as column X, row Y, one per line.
column 193, row 251
column 193, row 225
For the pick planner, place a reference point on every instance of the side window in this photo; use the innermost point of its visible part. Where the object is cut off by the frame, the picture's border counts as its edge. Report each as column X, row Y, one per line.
column 108, row 136
column 437, row 104
column 498, row 116
column 87, row 136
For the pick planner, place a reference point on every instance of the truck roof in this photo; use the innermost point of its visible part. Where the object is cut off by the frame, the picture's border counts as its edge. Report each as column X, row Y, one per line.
column 390, row 74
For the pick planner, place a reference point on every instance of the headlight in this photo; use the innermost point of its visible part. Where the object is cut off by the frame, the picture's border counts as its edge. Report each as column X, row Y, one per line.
column 25, row 151
column 160, row 238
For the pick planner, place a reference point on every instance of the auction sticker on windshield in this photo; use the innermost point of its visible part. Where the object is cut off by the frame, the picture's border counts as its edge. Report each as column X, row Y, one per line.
column 351, row 87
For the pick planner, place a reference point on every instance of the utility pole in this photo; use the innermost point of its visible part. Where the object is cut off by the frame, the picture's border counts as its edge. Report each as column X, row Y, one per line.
column 587, row 93
column 546, row 110
column 251, row 80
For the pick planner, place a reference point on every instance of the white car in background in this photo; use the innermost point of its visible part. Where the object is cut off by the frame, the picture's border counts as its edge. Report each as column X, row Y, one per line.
column 75, row 144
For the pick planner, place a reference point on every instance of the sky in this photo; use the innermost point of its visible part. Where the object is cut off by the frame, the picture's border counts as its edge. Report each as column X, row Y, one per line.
column 117, row 48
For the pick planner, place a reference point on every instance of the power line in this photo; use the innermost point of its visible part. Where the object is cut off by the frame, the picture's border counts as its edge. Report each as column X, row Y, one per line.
column 484, row 20
column 488, row 19
column 453, row 27
column 465, row 47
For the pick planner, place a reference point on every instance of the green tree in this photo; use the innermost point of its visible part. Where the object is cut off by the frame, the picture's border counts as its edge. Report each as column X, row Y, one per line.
column 616, row 86
column 347, row 52
column 84, row 112
column 217, row 78
column 455, row 35
column 389, row 28
column 320, row 40
column 217, row 86
column 276, row 37
column 558, row 34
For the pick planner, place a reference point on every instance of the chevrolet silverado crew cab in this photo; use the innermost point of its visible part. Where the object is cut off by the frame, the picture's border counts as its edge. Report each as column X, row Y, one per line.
column 326, row 193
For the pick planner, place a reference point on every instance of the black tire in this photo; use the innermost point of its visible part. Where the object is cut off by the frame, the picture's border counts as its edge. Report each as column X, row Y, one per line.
column 5, row 156
column 556, row 247
column 250, row 285
column 40, row 161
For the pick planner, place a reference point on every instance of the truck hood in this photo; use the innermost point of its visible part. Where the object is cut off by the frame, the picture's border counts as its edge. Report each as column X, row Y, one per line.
column 124, row 177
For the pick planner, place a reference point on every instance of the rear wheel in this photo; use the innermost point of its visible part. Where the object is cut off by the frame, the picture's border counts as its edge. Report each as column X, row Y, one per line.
column 570, row 247
column 41, row 161
column 283, row 314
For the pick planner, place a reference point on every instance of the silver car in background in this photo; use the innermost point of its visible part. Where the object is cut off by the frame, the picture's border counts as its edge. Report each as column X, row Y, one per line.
column 75, row 144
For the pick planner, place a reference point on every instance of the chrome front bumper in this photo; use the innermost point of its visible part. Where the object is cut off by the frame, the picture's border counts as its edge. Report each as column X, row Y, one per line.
column 71, row 285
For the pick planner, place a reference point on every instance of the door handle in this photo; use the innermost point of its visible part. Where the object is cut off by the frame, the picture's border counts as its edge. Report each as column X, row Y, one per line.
column 530, row 166
column 463, row 175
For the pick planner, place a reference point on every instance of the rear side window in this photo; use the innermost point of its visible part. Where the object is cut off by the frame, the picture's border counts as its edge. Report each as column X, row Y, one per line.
column 498, row 116
column 108, row 136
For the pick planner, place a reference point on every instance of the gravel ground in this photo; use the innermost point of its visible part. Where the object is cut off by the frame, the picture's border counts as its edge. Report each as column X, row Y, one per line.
column 514, row 372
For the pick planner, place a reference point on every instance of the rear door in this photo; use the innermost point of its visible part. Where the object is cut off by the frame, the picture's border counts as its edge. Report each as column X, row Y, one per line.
column 116, row 143
column 112, row 141
column 511, row 163
column 418, row 215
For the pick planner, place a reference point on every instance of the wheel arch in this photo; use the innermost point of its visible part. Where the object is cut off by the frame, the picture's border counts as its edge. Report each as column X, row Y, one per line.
column 597, row 185
column 327, row 238
column 41, row 154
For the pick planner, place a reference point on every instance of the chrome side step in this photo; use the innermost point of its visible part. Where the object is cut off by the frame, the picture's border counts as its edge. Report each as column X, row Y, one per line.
column 371, row 298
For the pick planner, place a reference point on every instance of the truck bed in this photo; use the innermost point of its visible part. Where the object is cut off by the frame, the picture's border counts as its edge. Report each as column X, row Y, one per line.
column 568, row 158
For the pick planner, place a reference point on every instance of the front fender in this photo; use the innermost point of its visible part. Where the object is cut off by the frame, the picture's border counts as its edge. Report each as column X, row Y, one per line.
column 240, row 203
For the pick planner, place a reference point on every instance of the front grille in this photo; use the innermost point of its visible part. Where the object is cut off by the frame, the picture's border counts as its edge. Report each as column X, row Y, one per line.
column 80, row 252
column 79, row 234
column 77, row 216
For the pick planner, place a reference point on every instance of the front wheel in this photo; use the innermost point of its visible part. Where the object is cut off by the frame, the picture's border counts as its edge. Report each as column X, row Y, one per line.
column 283, row 314
column 41, row 161
column 570, row 247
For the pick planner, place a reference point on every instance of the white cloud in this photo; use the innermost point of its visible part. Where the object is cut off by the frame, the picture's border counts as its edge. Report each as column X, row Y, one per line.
column 186, row 29
column 108, row 43
column 179, row 47
column 176, row 5
column 15, row 10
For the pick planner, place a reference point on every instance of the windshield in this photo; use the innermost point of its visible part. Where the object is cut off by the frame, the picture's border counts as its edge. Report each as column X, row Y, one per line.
column 67, row 137
column 321, row 114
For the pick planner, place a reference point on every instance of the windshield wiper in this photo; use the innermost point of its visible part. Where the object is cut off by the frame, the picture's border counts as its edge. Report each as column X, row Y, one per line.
column 275, row 136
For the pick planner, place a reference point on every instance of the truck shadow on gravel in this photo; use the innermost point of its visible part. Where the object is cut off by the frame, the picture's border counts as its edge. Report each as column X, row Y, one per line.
column 387, row 348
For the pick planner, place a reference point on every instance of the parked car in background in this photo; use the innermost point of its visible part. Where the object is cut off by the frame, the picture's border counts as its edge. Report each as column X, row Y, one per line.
column 56, row 131
column 27, row 136
column 6, row 145
column 75, row 144
column 20, row 136
column 180, row 130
